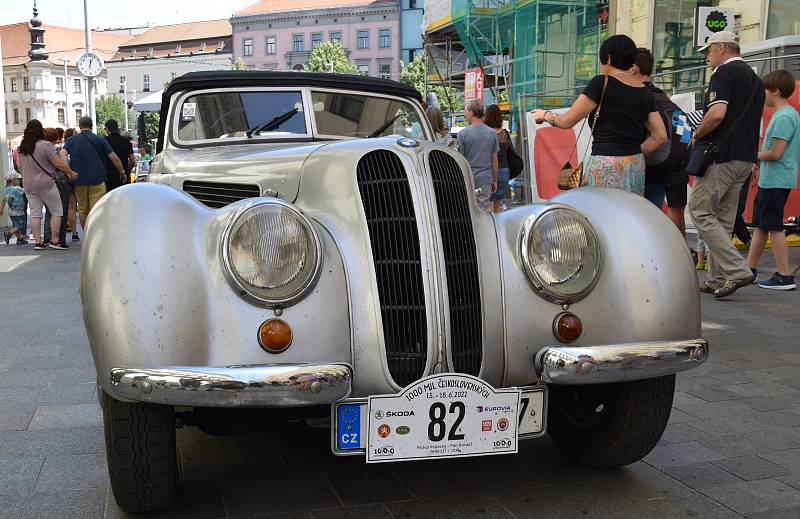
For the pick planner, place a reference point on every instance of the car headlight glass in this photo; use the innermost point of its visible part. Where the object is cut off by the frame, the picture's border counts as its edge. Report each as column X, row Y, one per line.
column 272, row 253
column 560, row 254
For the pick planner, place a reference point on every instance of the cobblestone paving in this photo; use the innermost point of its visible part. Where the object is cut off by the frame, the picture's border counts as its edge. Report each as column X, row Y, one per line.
column 732, row 447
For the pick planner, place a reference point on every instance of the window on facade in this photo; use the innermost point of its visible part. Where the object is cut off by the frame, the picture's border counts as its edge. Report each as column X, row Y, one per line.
column 61, row 116
column 385, row 38
column 173, row 75
column 27, row 115
column 122, row 84
column 363, row 70
column 26, row 83
column 145, row 82
column 412, row 4
column 78, row 114
column 203, row 47
column 783, row 18
column 271, row 44
column 336, row 36
column 16, row 115
column 363, row 39
column 297, row 43
column 178, row 49
column 385, row 71
column 673, row 45
column 60, row 84
column 247, row 47
column 13, row 84
column 76, row 86
column 316, row 39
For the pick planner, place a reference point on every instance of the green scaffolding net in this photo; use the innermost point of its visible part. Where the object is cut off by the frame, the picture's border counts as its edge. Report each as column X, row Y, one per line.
column 539, row 52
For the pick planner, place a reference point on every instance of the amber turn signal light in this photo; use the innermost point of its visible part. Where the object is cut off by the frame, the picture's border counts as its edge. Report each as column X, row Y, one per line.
column 567, row 327
column 275, row 335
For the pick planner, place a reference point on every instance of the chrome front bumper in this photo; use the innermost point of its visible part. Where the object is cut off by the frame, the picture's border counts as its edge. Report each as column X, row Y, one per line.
column 571, row 365
column 268, row 385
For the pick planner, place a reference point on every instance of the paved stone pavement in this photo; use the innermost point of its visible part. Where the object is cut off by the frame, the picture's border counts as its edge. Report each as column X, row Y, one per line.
column 732, row 447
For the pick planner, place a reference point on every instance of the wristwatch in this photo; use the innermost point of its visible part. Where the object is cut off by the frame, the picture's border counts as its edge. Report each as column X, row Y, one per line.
column 552, row 120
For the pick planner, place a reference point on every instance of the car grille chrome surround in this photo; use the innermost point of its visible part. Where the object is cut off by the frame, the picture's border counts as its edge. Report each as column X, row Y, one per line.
column 461, row 263
column 220, row 194
column 394, row 237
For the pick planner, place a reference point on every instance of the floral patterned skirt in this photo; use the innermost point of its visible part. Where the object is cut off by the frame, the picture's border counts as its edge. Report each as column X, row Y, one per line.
column 624, row 172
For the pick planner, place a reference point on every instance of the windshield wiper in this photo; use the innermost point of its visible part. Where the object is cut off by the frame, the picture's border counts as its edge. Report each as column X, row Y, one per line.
column 383, row 127
column 274, row 123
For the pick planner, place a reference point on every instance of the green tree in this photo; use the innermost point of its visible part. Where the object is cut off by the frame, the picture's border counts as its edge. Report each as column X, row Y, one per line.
column 112, row 106
column 239, row 64
column 413, row 74
column 330, row 56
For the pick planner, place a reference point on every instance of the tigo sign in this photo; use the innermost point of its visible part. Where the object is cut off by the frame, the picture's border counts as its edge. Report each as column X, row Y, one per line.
column 709, row 20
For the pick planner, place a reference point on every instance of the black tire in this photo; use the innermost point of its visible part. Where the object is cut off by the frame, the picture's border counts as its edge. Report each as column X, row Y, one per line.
column 141, row 453
column 610, row 425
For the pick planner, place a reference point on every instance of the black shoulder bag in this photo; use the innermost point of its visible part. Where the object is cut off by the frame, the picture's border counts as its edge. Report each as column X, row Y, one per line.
column 702, row 155
column 111, row 170
column 515, row 162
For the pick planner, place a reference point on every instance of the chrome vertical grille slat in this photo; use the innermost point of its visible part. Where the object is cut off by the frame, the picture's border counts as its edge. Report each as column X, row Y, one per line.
column 461, row 263
column 394, row 237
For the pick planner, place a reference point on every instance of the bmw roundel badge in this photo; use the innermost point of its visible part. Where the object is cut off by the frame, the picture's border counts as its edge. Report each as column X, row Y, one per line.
column 407, row 142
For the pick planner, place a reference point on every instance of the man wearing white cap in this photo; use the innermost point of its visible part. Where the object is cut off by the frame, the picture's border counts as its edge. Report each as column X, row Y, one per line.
column 732, row 107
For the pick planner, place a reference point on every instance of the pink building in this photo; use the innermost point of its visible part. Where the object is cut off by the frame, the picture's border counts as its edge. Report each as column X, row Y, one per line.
column 280, row 34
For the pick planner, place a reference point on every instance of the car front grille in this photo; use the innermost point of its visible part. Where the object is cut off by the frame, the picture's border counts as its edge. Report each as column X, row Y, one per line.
column 220, row 194
column 461, row 263
column 394, row 238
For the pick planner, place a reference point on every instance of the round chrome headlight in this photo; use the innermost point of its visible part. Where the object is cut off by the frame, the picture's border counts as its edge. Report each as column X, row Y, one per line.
column 560, row 254
column 271, row 253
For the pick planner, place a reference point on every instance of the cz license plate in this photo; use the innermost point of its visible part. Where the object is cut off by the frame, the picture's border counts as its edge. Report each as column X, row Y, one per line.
column 442, row 416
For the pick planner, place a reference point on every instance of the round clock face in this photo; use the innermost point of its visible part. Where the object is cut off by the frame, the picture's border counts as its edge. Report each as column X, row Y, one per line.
column 90, row 64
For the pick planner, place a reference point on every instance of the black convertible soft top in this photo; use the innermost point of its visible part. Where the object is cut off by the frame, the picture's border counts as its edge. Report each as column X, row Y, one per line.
column 237, row 78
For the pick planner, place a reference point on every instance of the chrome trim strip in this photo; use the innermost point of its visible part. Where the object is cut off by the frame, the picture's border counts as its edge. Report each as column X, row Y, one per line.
column 572, row 365
column 262, row 385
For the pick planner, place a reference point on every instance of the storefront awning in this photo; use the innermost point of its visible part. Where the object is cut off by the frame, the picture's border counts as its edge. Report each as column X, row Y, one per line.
column 149, row 103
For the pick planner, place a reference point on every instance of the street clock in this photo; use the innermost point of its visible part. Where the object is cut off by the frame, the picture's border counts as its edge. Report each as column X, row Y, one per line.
column 90, row 64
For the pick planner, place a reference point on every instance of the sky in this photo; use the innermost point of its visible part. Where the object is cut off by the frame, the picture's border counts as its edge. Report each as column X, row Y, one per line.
column 119, row 13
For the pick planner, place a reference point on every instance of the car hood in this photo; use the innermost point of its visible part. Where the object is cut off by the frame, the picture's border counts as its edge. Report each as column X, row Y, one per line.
column 272, row 166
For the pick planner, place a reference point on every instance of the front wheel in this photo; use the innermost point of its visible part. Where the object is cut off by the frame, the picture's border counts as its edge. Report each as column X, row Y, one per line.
column 140, row 448
column 610, row 425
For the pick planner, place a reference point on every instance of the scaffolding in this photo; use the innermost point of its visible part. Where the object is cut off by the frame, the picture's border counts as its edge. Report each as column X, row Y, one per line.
column 522, row 46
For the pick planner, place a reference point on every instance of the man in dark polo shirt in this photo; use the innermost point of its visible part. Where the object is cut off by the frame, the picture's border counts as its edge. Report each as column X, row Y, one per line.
column 124, row 150
column 732, row 118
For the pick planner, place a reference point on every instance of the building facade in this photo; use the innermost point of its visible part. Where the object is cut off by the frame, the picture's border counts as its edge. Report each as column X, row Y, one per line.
column 280, row 34
column 46, row 89
column 148, row 61
column 411, row 34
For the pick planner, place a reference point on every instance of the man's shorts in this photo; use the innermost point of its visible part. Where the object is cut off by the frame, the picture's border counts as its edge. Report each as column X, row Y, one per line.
column 88, row 196
column 676, row 189
column 768, row 209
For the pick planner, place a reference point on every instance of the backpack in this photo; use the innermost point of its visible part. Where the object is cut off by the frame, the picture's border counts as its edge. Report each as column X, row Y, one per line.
column 673, row 155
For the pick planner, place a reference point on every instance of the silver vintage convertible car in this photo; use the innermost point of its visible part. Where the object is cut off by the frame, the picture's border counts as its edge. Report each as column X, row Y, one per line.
column 302, row 250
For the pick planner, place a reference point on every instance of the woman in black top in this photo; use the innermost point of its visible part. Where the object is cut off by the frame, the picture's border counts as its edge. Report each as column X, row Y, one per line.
column 628, row 125
column 493, row 118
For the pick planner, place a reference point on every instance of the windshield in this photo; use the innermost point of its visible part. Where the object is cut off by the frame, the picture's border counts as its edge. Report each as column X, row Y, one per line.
column 220, row 115
column 357, row 115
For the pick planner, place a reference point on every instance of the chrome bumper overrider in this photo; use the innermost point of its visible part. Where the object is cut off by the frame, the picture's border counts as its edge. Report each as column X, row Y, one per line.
column 268, row 385
column 571, row 365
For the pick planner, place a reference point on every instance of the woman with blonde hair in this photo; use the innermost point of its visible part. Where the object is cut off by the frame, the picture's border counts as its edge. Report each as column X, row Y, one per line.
column 440, row 131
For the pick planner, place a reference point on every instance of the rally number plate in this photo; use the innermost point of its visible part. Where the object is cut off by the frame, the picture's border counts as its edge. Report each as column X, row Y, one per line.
column 442, row 416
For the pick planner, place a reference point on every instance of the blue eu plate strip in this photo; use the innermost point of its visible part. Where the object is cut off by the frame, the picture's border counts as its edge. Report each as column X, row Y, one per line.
column 348, row 427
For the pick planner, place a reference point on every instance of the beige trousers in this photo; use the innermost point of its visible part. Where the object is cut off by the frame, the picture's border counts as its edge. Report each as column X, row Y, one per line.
column 715, row 197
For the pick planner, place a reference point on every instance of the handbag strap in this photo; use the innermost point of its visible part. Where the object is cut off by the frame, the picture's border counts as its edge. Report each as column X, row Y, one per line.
column 594, row 120
column 40, row 166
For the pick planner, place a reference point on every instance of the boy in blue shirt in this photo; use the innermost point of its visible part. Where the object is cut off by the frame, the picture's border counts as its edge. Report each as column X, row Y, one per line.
column 15, row 198
column 777, row 176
